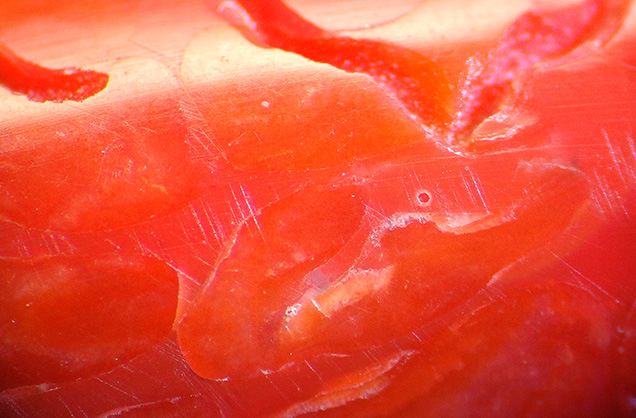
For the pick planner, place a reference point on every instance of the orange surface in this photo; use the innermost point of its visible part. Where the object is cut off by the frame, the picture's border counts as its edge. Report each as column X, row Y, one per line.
column 344, row 209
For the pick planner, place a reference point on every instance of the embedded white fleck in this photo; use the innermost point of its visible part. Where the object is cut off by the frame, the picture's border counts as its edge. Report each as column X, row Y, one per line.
column 292, row 310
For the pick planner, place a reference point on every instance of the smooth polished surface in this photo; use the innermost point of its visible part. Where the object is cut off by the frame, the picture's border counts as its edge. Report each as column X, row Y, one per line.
column 262, row 214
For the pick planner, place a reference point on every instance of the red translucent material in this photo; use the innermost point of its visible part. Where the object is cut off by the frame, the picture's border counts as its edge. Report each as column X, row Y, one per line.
column 415, row 80
column 68, row 317
column 234, row 325
column 427, row 214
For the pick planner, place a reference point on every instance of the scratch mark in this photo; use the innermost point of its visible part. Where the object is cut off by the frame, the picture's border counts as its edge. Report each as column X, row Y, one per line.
column 617, row 157
column 476, row 181
column 117, row 389
column 172, row 266
column 250, row 206
column 268, row 378
column 101, row 128
column 140, row 245
column 54, row 242
column 630, row 143
column 406, row 189
column 16, row 408
column 313, row 370
column 202, row 128
column 468, row 186
column 149, row 49
column 185, row 231
column 578, row 275
column 174, row 400
column 631, row 167
column 608, row 199
column 217, row 228
column 82, row 411
column 197, row 133
column 66, row 406
column 371, row 356
column 204, row 262
column 243, row 216
column 195, row 214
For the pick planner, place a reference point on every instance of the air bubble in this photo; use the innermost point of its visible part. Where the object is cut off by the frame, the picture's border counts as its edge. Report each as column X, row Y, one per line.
column 424, row 198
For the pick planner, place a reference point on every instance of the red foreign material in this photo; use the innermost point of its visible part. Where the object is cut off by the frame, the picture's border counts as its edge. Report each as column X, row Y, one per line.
column 331, row 258
column 415, row 80
column 41, row 84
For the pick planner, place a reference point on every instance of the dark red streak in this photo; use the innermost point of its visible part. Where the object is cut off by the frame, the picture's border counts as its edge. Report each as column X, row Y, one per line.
column 41, row 84
column 417, row 81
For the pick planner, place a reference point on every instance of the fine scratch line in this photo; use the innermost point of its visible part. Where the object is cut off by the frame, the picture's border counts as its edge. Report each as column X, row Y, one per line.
column 580, row 275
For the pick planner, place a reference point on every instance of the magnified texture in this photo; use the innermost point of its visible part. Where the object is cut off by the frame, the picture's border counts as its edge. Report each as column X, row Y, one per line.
column 317, row 208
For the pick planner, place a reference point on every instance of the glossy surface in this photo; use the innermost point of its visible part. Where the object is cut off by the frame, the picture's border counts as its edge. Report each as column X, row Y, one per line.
column 265, row 214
